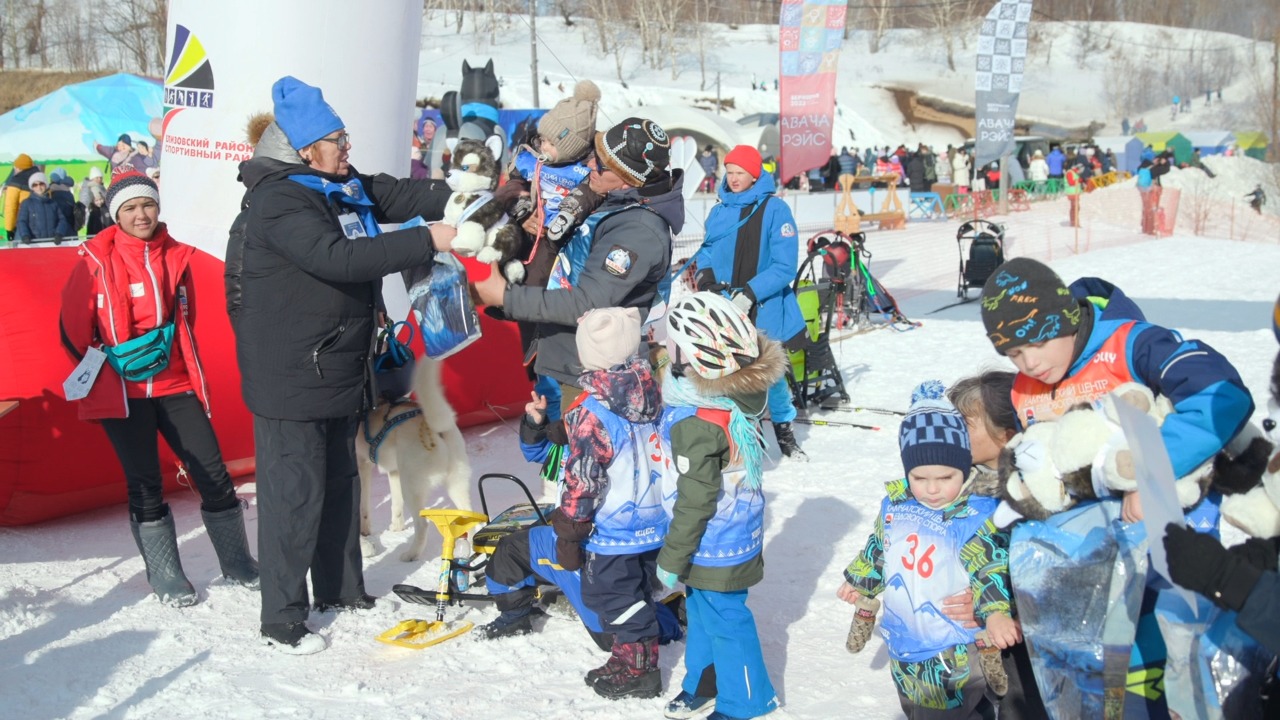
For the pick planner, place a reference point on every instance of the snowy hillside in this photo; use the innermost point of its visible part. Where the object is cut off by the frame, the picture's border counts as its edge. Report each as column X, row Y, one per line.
column 1065, row 83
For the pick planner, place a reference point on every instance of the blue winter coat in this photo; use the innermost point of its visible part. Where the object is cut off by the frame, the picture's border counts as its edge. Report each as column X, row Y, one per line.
column 1055, row 160
column 1210, row 402
column 39, row 217
column 777, row 313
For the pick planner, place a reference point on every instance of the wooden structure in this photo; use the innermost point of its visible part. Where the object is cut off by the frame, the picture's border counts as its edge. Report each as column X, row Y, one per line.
column 849, row 219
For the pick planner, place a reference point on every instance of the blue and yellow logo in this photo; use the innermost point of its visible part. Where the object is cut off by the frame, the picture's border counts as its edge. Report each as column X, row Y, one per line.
column 188, row 82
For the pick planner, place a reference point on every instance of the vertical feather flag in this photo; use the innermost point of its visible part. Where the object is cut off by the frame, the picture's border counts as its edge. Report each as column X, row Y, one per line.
column 809, row 36
column 1002, row 54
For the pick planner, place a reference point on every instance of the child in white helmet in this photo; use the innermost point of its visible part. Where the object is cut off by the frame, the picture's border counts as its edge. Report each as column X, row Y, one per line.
column 716, row 388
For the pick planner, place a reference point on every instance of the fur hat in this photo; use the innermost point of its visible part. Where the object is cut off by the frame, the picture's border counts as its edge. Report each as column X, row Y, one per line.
column 639, row 151
column 37, row 177
column 23, row 162
column 570, row 126
column 126, row 187
column 302, row 113
column 607, row 337
column 747, row 158
column 1024, row 302
column 933, row 431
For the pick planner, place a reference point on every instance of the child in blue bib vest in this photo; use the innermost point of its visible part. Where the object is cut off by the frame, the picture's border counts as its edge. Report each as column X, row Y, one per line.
column 932, row 540
column 610, row 521
column 720, row 373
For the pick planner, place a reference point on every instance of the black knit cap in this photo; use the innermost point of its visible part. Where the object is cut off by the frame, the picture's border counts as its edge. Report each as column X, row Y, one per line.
column 1024, row 302
column 638, row 150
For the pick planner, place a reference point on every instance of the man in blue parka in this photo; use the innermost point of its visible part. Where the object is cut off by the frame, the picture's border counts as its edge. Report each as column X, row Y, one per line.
column 751, row 251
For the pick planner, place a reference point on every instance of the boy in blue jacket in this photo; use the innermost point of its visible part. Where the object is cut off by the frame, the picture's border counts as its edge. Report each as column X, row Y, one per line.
column 750, row 250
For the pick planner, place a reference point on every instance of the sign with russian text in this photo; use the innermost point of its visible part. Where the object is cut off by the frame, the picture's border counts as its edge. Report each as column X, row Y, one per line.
column 1002, row 55
column 810, row 33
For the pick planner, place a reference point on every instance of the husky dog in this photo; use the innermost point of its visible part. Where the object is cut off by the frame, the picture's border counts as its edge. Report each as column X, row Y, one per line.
column 483, row 228
column 422, row 454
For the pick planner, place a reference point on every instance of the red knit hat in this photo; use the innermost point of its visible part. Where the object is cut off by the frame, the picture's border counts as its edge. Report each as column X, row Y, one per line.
column 745, row 157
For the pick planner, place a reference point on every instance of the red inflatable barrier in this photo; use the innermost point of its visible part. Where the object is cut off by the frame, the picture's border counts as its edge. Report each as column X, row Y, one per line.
column 52, row 464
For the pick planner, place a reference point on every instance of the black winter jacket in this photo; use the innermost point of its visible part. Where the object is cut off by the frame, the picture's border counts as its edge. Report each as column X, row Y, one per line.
column 310, row 295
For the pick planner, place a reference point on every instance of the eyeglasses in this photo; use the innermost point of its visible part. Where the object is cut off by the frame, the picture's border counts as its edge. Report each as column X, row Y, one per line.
column 595, row 160
column 343, row 141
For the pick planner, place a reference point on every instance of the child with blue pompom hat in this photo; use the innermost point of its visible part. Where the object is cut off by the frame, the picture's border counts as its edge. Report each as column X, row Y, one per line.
column 933, row 539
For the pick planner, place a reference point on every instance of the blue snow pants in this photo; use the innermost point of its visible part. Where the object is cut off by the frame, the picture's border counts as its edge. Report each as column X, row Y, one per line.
column 722, row 632
column 781, row 409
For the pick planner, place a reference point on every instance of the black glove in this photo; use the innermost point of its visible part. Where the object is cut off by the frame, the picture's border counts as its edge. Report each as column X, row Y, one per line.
column 1258, row 552
column 1199, row 562
column 521, row 210
column 704, row 280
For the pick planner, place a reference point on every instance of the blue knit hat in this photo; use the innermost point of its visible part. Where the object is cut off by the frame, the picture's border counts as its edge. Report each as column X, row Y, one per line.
column 934, row 432
column 302, row 113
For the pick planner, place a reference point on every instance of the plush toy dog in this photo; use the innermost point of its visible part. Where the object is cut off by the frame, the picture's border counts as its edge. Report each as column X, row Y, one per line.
column 1051, row 465
column 1256, row 509
column 483, row 229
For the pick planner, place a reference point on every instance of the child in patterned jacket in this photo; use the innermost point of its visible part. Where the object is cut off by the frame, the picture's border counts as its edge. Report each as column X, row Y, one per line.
column 931, row 540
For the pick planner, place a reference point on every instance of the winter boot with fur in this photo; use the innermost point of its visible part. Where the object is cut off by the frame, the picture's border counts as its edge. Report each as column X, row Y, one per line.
column 517, row 609
column 158, row 542
column 226, row 532
column 864, row 621
column 787, row 442
column 992, row 664
column 636, row 675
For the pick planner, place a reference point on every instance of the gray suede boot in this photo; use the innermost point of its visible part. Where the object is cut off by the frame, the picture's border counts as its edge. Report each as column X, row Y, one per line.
column 226, row 532
column 158, row 542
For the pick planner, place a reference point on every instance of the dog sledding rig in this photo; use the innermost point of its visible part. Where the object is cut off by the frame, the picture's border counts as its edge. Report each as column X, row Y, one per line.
column 454, row 572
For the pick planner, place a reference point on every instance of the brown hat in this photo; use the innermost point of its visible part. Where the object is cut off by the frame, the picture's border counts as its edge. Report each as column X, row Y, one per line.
column 638, row 150
column 571, row 124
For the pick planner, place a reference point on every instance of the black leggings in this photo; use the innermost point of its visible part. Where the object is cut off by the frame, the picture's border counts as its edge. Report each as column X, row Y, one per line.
column 186, row 428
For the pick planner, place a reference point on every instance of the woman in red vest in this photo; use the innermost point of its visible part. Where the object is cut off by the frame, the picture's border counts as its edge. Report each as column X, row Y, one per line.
column 129, row 307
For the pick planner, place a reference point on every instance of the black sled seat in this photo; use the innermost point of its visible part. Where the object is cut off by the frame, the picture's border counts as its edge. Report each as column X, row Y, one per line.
column 985, row 241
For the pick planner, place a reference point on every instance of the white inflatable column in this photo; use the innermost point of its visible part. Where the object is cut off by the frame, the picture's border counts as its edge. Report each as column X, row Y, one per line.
column 221, row 61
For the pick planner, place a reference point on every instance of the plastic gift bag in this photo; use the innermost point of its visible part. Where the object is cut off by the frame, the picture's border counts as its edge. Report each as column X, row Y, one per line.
column 1078, row 579
column 442, row 306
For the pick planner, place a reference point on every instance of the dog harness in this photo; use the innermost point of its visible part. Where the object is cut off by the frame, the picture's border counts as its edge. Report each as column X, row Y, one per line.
column 390, row 423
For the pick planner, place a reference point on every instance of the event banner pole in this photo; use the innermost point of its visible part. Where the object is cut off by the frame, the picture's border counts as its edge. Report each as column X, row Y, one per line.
column 1002, row 54
column 810, row 33
column 222, row 59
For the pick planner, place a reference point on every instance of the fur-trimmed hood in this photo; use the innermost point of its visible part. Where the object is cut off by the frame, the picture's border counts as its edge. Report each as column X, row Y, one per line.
column 757, row 377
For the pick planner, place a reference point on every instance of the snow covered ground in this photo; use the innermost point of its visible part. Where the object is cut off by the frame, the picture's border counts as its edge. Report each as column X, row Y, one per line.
column 81, row 637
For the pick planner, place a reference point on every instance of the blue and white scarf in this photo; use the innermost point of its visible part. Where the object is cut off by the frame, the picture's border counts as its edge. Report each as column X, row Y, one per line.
column 744, row 429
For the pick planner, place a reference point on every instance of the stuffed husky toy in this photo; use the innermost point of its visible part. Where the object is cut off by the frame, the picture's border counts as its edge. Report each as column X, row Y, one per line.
column 483, row 229
column 1256, row 509
column 1083, row 455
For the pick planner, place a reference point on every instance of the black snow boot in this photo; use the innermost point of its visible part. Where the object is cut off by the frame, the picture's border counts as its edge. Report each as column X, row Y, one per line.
column 226, row 532
column 787, row 442
column 517, row 611
column 364, row 601
column 158, row 542
column 637, row 673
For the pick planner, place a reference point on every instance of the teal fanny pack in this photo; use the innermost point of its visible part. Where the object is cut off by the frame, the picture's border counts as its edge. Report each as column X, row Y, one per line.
column 142, row 357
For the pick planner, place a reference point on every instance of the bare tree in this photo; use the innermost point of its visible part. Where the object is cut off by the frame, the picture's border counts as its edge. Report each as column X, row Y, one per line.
column 880, row 18
column 949, row 18
column 1265, row 87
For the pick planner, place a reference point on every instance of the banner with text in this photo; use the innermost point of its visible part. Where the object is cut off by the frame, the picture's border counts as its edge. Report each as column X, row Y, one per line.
column 809, row 36
column 1002, row 54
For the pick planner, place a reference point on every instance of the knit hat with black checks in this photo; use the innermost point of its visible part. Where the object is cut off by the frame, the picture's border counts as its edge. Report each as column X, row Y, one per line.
column 1025, row 302
column 934, row 432
column 639, row 151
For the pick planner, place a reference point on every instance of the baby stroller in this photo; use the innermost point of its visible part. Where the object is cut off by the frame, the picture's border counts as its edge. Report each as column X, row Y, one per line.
column 820, row 289
column 986, row 253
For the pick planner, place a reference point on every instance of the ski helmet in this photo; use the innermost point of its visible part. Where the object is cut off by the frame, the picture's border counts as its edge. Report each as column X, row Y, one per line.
column 711, row 335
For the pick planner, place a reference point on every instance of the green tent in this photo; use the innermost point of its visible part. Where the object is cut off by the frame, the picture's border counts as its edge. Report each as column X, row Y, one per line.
column 1252, row 143
column 1161, row 141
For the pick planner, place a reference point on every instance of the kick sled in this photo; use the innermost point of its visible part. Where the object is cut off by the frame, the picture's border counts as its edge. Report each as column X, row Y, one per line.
column 454, row 524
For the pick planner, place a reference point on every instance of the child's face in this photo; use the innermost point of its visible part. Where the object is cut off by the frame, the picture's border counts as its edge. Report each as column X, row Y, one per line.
column 1046, row 361
column 984, row 446
column 548, row 150
column 937, row 486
